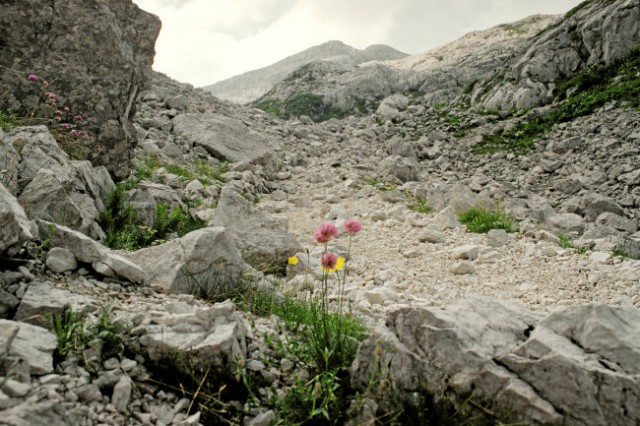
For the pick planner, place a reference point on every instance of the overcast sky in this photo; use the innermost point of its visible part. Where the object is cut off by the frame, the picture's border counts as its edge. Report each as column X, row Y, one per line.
column 204, row 41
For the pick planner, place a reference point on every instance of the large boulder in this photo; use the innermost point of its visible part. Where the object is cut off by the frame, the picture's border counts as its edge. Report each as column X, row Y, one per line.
column 56, row 188
column 97, row 57
column 577, row 366
column 225, row 138
column 16, row 227
column 205, row 257
column 263, row 241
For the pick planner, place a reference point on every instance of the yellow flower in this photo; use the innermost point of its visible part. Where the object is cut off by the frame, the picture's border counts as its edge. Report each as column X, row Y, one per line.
column 330, row 263
column 293, row 260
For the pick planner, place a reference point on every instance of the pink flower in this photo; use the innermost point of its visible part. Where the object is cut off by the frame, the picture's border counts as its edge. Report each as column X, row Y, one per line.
column 65, row 125
column 79, row 117
column 75, row 133
column 32, row 77
column 45, row 83
column 50, row 95
column 325, row 233
column 66, row 109
column 352, row 226
column 329, row 260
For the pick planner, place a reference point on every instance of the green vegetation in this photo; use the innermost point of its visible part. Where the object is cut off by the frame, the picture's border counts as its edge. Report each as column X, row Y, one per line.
column 308, row 104
column 415, row 94
column 103, row 338
column 469, row 87
column 381, row 186
column 617, row 252
column 567, row 243
column 201, row 171
column 420, row 205
column 576, row 97
column 7, row 121
column 125, row 231
column 482, row 220
column 324, row 346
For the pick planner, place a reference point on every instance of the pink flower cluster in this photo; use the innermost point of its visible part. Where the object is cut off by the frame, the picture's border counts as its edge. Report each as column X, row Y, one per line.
column 64, row 117
column 325, row 233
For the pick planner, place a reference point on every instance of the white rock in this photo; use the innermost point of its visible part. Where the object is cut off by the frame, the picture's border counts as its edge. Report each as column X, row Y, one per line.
column 60, row 260
column 463, row 268
column 468, row 252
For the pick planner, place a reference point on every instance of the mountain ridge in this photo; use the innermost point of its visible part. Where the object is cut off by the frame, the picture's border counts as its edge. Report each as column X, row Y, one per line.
column 250, row 85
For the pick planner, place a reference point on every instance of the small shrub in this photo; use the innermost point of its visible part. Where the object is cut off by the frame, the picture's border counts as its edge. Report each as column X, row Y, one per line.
column 124, row 231
column 482, row 220
column 108, row 334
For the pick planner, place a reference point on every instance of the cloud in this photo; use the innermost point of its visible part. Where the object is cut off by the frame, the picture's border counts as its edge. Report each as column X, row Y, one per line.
column 204, row 41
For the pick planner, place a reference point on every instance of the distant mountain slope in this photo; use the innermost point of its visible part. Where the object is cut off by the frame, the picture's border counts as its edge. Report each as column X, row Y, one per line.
column 323, row 90
column 251, row 85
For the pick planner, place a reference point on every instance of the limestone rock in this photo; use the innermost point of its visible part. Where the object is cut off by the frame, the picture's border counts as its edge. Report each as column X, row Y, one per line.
column 57, row 189
column 617, row 222
column 41, row 301
column 567, row 222
column 61, row 260
column 561, row 51
column 468, row 252
column 223, row 137
column 497, row 238
column 208, row 254
column 595, row 204
column 262, row 240
column 445, row 219
column 34, row 346
column 114, row 41
column 48, row 413
column 463, row 268
column 89, row 251
column 400, row 168
column 211, row 337
column 16, row 227
column 431, row 236
column 547, row 371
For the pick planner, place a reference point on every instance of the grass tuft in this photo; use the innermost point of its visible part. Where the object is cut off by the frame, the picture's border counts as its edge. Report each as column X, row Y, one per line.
column 482, row 220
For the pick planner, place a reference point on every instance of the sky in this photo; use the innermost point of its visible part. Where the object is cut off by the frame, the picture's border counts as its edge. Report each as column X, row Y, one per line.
column 205, row 41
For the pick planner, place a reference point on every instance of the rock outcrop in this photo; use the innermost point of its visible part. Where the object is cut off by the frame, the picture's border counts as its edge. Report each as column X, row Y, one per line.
column 595, row 32
column 96, row 58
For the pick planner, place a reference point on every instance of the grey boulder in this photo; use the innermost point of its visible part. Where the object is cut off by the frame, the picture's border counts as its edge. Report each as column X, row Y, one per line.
column 182, row 265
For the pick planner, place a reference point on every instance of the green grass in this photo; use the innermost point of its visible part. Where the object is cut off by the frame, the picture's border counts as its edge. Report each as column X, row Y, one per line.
column 420, row 205
column 8, row 121
column 567, row 243
column 483, row 220
column 577, row 96
column 323, row 398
